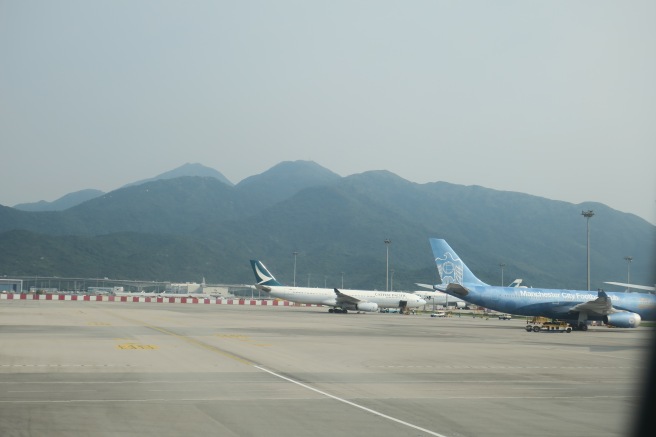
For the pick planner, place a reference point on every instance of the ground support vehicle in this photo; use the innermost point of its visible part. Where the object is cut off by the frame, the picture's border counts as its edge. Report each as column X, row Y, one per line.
column 537, row 325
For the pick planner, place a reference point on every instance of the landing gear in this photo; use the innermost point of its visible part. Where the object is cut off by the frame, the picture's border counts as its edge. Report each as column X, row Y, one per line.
column 583, row 322
column 337, row 310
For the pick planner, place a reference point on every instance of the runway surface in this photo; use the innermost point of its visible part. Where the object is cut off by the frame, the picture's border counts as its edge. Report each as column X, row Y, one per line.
column 140, row 369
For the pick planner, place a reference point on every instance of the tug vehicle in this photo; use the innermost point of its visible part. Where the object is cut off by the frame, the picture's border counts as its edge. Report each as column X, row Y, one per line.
column 538, row 324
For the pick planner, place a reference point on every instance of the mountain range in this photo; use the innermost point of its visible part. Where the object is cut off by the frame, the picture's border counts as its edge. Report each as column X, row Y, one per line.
column 193, row 223
column 72, row 199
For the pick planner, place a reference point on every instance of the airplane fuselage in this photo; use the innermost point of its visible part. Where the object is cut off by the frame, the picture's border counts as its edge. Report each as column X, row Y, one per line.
column 553, row 303
column 326, row 296
column 440, row 298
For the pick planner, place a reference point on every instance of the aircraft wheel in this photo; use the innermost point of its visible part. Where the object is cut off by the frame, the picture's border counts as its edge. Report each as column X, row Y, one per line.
column 536, row 329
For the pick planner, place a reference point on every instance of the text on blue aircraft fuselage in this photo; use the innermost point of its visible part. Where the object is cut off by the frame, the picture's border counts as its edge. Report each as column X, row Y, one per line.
column 633, row 299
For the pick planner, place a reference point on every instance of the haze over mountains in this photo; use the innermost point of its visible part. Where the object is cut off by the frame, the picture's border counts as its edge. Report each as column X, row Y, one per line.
column 192, row 223
column 72, row 199
column 64, row 202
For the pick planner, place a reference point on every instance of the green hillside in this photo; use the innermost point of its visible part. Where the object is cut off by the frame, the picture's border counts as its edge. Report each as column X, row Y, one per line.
column 184, row 229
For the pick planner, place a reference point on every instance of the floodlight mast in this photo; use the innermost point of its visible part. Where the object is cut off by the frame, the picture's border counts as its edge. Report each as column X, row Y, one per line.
column 628, row 271
column 387, row 243
column 588, row 214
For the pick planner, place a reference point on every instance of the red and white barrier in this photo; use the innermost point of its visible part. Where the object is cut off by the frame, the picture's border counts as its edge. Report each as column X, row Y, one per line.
column 148, row 299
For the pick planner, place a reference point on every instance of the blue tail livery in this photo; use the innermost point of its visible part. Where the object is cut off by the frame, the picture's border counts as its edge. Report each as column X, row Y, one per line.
column 623, row 310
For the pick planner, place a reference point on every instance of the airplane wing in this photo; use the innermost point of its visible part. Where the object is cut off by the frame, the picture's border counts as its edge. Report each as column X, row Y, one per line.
column 430, row 287
column 452, row 288
column 457, row 289
column 639, row 287
column 601, row 305
column 345, row 298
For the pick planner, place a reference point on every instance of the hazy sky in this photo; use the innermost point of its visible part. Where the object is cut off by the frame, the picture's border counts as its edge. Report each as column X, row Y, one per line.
column 552, row 98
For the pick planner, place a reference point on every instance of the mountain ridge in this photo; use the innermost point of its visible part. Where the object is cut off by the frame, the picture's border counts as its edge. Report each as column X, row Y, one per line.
column 75, row 198
column 191, row 227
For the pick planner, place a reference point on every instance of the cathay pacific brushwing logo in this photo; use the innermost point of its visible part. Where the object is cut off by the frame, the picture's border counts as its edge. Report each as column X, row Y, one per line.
column 262, row 277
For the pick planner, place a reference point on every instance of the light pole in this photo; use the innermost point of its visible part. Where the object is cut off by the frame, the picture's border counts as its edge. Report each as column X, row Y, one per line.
column 294, row 253
column 588, row 214
column 628, row 271
column 392, row 280
column 387, row 243
column 502, row 265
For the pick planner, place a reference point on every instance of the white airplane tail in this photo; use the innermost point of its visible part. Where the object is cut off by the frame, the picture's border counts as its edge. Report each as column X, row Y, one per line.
column 517, row 283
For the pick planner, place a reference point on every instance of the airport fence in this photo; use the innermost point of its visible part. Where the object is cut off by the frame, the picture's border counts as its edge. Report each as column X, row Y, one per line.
column 149, row 299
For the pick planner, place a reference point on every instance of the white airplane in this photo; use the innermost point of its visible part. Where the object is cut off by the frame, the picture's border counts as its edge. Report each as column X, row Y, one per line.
column 439, row 298
column 517, row 283
column 639, row 287
column 338, row 301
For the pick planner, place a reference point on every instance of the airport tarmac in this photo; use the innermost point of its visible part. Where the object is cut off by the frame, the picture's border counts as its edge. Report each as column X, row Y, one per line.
column 146, row 369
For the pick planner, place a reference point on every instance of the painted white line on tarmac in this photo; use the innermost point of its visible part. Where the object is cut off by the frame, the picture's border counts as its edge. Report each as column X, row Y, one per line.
column 350, row 403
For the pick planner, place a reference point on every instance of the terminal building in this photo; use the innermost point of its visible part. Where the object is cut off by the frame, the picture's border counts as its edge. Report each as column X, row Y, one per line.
column 105, row 290
column 11, row 285
column 191, row 288
column 186, row 288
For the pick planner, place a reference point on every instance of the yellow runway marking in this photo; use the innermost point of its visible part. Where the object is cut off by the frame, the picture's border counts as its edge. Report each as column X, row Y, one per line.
column 242, row 338
column 189, row 340
column 136, row 346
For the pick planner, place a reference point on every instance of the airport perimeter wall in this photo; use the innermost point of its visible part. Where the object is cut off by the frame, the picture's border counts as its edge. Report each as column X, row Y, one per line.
column 148, row 299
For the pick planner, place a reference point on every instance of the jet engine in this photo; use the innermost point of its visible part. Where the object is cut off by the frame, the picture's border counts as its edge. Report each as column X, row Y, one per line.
column 369, row 307
column 623, row 319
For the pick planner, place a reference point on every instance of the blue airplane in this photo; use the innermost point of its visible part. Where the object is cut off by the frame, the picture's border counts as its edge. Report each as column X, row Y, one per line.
column 623, row 310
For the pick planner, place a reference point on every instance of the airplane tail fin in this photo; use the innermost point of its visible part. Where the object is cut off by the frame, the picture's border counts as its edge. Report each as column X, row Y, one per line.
column 517, row 283
column 451, row 268
column 262, row 275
